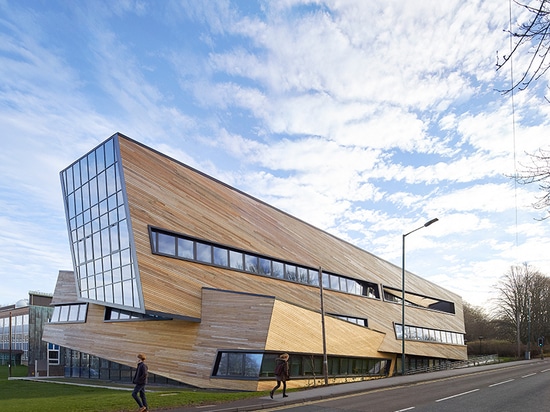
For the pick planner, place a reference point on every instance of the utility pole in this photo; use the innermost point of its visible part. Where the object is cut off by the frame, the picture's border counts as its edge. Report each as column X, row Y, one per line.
column 9, row 361
column 325, row 358
column 529, row 328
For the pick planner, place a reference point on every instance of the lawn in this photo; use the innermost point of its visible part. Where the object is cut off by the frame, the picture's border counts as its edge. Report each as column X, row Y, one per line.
column 29, row 396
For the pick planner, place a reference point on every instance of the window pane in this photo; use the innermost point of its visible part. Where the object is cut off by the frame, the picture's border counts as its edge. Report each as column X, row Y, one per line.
column 64, row 314
column 252, row 364
column 118, row 293
column 223, row 365
column 55, row 315
column 398, row 331
column 76, row 174
column 326, row 282
column 82, row 313
column 185, row 248
column 236, row 365
column 265, row 267
column 204, row 252
column 73, row 313
column 302, row 274
column 166, row 244
column 127, row 296
column 290, row 273
column 277, row 270
column 334, row 282
column 343, row 284
column 314, row 277
column 251, row 263
column 352, row 286
column 236, row 260
column 221, row 256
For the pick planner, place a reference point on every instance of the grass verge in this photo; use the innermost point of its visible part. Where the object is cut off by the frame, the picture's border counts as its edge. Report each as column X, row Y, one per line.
column 29, row 396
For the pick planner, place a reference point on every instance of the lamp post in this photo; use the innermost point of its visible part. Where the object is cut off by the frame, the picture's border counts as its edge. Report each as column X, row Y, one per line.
column 10, row 338
column 325, row 358
column 428, row 223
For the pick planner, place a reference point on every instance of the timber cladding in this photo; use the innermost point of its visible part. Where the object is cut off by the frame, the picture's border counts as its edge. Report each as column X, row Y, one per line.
column 216, row 309
column 167, row 194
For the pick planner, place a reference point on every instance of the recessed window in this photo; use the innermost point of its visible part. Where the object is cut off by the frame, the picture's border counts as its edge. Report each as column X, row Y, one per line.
column 416, row 300
column 245, row 365
column 181, row 246
column 69, row 313
column 428, row 335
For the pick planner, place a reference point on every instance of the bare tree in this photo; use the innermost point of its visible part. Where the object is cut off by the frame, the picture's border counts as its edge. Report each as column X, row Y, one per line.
column 540, row 307
column 535, row 34
column 538, row 172
column 477, row 323
column 523, row 303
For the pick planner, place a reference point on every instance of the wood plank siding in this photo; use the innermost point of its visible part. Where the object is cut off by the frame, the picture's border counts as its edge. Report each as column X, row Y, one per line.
column 216, row 309
column 167, row 194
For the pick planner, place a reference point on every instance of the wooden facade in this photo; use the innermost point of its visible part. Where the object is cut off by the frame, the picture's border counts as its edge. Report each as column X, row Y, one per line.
column 214, row 308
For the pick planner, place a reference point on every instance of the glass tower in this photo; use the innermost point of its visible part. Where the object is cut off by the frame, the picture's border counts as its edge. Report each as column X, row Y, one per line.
column 100, row 235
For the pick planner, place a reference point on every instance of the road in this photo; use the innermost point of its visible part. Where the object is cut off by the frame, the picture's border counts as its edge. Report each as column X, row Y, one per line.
column 525, row 387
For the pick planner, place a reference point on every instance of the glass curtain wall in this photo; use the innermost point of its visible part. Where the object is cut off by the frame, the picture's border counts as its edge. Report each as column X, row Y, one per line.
column 99, row 228
column 19, row 334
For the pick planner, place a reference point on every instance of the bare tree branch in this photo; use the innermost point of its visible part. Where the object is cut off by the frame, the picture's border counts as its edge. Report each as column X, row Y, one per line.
column 535, row 33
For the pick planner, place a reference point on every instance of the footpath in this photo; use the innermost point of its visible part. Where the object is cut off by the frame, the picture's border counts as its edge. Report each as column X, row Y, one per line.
column 334, row 391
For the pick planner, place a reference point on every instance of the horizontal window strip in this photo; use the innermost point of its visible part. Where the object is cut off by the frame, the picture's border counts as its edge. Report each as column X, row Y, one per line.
column 418, row 333
column 197, row 250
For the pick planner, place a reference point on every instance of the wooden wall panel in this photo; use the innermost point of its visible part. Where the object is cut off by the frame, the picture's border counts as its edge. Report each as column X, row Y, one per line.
column 165, row 193
column 180, row 350
column 295, row 329
column 65, row 288
column 272, row 315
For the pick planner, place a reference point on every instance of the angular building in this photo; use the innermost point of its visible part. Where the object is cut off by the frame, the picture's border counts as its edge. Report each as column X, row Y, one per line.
column 212, row 284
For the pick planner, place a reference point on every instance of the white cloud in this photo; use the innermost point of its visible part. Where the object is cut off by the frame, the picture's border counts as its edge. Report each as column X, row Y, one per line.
column 365, row 119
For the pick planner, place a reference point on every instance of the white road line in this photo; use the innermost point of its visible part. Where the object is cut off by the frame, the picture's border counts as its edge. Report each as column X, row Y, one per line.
column 406, row 409
column 526, row 376
column 500, row 383
column 546, row 370
column 458, row 394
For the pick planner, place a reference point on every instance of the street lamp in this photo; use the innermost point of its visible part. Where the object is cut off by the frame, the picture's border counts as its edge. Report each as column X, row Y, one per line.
column 403, row 294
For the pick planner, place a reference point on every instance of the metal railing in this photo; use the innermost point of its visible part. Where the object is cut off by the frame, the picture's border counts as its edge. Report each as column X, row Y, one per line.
column 473, row 361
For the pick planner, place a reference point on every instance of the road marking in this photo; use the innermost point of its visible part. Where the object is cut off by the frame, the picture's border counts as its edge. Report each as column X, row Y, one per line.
column 526, row 376
column 546, row 370
column 500, row 383
column 406, row 409
column 458, row 394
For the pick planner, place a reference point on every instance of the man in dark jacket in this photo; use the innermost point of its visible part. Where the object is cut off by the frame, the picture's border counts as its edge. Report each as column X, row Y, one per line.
column 140, row 379
column 281, row 374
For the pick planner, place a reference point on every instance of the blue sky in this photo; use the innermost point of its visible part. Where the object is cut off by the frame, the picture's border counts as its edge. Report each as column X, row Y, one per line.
column 365, row 119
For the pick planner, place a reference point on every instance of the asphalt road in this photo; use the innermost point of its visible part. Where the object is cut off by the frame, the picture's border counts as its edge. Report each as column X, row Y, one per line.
column 524, row 387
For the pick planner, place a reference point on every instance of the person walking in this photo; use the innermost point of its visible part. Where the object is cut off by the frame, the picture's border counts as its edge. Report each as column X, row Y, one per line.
column 140, row 380
column 281, row 374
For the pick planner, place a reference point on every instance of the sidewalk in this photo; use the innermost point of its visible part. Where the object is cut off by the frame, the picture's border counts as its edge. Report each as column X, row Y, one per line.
column 332, row 391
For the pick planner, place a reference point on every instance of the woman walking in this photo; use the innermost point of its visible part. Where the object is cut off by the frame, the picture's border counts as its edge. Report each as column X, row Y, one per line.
column 281, row 374
column 140, row 380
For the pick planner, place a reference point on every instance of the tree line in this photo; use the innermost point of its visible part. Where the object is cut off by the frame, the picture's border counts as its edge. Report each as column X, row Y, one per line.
column 517, row 318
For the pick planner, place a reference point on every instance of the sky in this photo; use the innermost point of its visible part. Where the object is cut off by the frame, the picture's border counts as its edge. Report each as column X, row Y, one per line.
column 363, row 118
